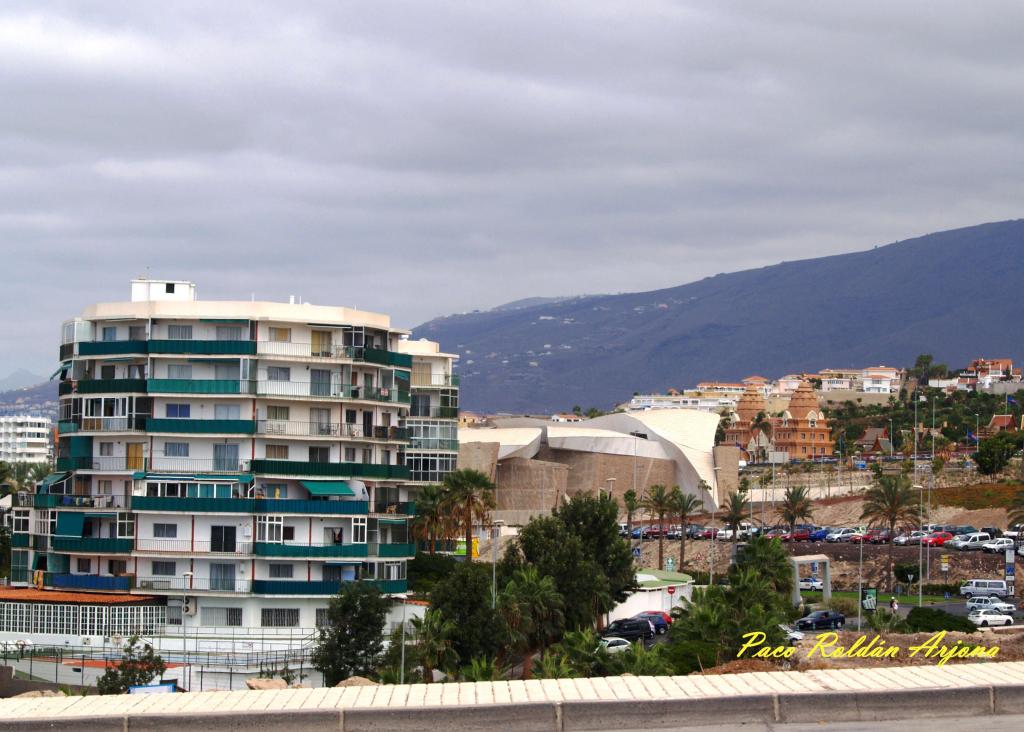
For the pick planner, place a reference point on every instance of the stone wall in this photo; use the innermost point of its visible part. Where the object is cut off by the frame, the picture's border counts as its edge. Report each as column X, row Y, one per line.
column 528, row 488
column 590, row 471
column 482, row 456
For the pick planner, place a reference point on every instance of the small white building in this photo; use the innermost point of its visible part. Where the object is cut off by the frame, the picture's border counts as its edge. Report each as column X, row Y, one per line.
column 25, row 439
column 657, row 590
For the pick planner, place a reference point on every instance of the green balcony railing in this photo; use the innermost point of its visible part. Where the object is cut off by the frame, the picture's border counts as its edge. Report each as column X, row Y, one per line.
column 201, row 386
column 91, row 545
column 205, row 348
column 299, row 505
column 20, row 540
column 330, row 470
column 192, row 505
column 404, row 508
column 111, row 348
column 295, row 587
column 102, row 386
column 390, row 587
column 395, row 550
column 387, row 358
column 433, row 443
column 67, row 427
column 43, row 500
column 303, row 551
column 87, row 582
column 203, row 426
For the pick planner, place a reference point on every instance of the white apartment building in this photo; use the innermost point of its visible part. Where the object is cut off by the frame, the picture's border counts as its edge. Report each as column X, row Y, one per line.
column 234, row 462
column 685, row 400
column 881, row 380
column 25, row 439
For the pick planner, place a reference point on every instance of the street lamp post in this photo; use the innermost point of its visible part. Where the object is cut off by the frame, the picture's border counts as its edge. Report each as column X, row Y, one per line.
column 401, row 667
column 920, row 550
column 186, row 577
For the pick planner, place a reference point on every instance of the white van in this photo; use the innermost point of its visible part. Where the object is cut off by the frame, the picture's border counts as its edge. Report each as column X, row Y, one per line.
column 973, row 542
column 984, row 588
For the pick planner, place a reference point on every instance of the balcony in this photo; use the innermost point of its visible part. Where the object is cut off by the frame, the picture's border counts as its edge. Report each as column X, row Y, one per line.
column 88, row 582
column 204, row 348
column 387, row 358
column 193, row 584
column 192, row 505
column 329, row 390
column 327, row 350
column 55, row 500
column 434, row 412
column 201, row 386
column 435, row 381
column 390, row 587
column 134, row 423
column 330, row 470
column 330, row 429
column 112, row 348
column 67, row 351
column 395, row 509
column 171, row 464
column 91, row 545
column 105, row 463
column 303, row 506
column 187, row 546
column 102, row 386
column 202, row 426
column 67, row 427
column 400, row 551
column 295, row 587
column 304, row 551
column 20, row 541
column 433, row 443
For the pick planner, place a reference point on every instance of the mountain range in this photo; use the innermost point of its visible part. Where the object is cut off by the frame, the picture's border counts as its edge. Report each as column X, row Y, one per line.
column 953, row 294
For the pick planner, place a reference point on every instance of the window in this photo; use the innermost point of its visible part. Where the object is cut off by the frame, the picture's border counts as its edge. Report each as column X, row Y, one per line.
column 288, row 533
column 117, row 567
column 350, row 416
column 275, row 490
column 277, row 452
column 106, row 449
column 221, row 616
column 279, row 617
column 321, row 617
column 268, row 528
column 105, row 487
column 179, row 332
column 222, row 577
column 359, row 530
column 229, row 333
column 179, row 411
column 281, row 335
column 107, row 372
column 350, row 454
column 367, row 454
column 20, row 522
column 169, row 288
column 334, row 573
column 176, row 449
column 279, row 373
column 83, row 565
column 179, row 371
column 281, row 571
column 278, row 413
column 227, row 411
column 226, row 371
column 225, row 457
column 164, row 569
column 319, row 454
column 165, row 531
column 136, row 332
column 126, row 525
column 109, row 334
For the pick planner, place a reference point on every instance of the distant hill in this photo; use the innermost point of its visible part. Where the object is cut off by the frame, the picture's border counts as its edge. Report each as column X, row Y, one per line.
column 955, row 294
column 39, row 399
column 19, row 380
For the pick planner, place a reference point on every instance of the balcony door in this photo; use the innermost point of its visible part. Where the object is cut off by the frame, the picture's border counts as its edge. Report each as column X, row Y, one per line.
column 225, row 457
column 320, row 382
column 222, row 539
column 133, row 451
column 321, row 345
column 222, row 577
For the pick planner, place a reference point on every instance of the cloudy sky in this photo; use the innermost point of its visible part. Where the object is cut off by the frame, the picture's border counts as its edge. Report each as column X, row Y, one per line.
column 423, row 158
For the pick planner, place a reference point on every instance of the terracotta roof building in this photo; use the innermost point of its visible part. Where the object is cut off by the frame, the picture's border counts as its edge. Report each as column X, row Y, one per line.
column 802, row 431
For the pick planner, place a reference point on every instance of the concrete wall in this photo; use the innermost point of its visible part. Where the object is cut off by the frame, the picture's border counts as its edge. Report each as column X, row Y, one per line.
column 528, row 488
column 727, row 465
column 482, row 456
column 589, row 471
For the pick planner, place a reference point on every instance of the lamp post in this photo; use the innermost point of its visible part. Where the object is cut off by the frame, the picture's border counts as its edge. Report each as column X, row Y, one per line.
column 401, row 667
column 920, row 550
column 185, row 580
column 860, row 580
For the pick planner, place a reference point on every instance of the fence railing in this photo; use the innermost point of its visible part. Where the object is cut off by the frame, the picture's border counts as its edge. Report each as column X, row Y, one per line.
column 193, row 584
column 434, row 380
column 287, row 428
column 187, row 546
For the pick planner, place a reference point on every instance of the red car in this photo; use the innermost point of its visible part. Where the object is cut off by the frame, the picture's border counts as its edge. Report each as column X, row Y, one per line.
column 880, row 536
column 709, row 532
column 937, row 539
column 797, row 535
column 864, row 538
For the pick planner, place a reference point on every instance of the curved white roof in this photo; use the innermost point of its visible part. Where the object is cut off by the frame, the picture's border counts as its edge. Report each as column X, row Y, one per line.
column 523, row 442
column 590, row 439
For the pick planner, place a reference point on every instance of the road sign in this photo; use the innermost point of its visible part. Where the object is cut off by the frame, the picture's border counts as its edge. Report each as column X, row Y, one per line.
column 1009, row 574
column 869, row 598
column 636, row 552
column 814, row 568
column 671, row 589
column 945, row 562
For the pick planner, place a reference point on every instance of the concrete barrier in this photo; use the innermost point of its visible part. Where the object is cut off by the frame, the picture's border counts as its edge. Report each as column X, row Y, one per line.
column 526, row 717
column 864, row 706
column 75, row 724
column 667, row 713
column 297, row 720
column 1008, row 699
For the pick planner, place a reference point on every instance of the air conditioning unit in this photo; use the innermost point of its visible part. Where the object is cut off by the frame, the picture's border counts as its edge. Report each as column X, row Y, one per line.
column 190, row 606
column 146, row 585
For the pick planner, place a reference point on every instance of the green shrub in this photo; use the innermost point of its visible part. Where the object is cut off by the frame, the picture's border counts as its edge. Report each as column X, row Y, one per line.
column 690, row 656
column 929, row 620
column 940, row 589
column 845, row 605
column 426, row 569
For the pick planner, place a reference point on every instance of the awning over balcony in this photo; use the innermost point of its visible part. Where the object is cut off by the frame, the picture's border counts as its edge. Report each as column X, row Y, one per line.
column 100, row 515
column 198, row 477
column 53, row 479
column 70, row 523
column 324, row 488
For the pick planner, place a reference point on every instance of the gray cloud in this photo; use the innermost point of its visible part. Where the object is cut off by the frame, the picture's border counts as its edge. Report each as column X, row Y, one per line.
column 424, row 158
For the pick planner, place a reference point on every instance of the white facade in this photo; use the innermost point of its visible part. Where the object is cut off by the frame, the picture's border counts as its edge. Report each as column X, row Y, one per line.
column 686, row 400
column 25, row 439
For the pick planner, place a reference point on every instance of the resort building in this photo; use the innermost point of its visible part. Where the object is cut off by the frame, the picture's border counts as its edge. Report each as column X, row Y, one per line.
column 802, row 432
column 25, row 439
column 234, row 462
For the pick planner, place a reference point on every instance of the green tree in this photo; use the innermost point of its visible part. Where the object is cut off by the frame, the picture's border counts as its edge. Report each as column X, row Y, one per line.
column 631, row 504
column 533, row 612
column 138, row 666
column 471, row 498
column 594, row 519
column 994, row 453
column 1016, row 513
column 734, row 511
column 482, row 669
column 892, row 501
column 659, row 503
column 433, row 519
column 683, row 505
column 350, row 643
column 464, row 597
column 795, row 505
column 556, row 551
column 762, row 424
column 432, row 635
column 578, row 655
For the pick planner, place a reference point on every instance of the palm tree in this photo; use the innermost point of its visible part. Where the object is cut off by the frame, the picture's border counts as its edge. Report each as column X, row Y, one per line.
column 762, row 423
column 432, row 516
column 891, row 502
column 734, row 513
column 631, row 503
column 471, row 498
column 433, row 638
column 532, row 609
column 683, row 506
column 795, row 505
column 659, row 503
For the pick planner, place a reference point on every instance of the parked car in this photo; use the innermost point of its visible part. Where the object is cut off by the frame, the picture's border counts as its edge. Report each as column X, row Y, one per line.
column 961, row 530
column 775, row 532
column 1014, row 531
column 811, row 583
column 970, row 542
column 615, row 645
column 623, row 530
column 797, row 534
column 656, row 619
column 998, row 546
column 880, row 536
column 638, row 532
column 992, row 531
column 991, row 603
column 985, row 618
column 820, row 533
column 821, row 620
column 983, row 587
column 693, row 531
column 906, row 539
column 630, row 629
column 840, row 535
column 711, row 532
column 938, row 538
column 792, row 635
